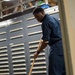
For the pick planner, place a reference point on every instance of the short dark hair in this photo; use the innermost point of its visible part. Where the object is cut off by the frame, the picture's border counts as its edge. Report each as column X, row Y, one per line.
column 37, row 10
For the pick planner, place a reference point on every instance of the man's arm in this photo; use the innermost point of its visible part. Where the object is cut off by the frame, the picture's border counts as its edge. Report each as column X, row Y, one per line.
column 41, row 46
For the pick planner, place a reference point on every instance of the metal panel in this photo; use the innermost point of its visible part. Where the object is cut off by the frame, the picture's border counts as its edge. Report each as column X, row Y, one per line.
column 16, row 31
column 4, row 66
column 4, row 60
column 2, row 28
column 17, row 46
column 56, row 15
column 18, row 58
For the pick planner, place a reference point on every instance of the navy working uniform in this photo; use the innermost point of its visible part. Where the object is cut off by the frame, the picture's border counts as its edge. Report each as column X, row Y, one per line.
column 52, row 33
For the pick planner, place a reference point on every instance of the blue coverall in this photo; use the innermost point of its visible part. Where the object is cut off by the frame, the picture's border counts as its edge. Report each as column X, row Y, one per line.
column 52, row 33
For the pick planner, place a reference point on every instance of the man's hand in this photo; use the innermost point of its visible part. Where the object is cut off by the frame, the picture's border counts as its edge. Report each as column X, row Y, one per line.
column 36, row 55
column 41, row 46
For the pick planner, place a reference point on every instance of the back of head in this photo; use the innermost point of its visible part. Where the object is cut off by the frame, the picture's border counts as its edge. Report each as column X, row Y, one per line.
column 37, row 10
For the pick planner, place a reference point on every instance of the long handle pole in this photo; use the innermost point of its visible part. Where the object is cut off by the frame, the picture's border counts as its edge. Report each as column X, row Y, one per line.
column 31, row 67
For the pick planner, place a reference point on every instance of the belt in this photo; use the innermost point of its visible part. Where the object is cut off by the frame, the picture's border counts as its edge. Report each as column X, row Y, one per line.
column 54, row 42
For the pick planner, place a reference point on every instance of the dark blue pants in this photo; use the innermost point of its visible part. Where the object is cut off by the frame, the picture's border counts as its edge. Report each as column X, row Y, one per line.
column 56, row 64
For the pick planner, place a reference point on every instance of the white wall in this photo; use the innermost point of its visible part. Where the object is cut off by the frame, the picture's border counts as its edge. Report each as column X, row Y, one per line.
column 67, row 14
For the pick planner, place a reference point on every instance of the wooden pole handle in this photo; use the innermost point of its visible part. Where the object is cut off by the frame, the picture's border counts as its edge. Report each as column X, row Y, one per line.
column 31, row 67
